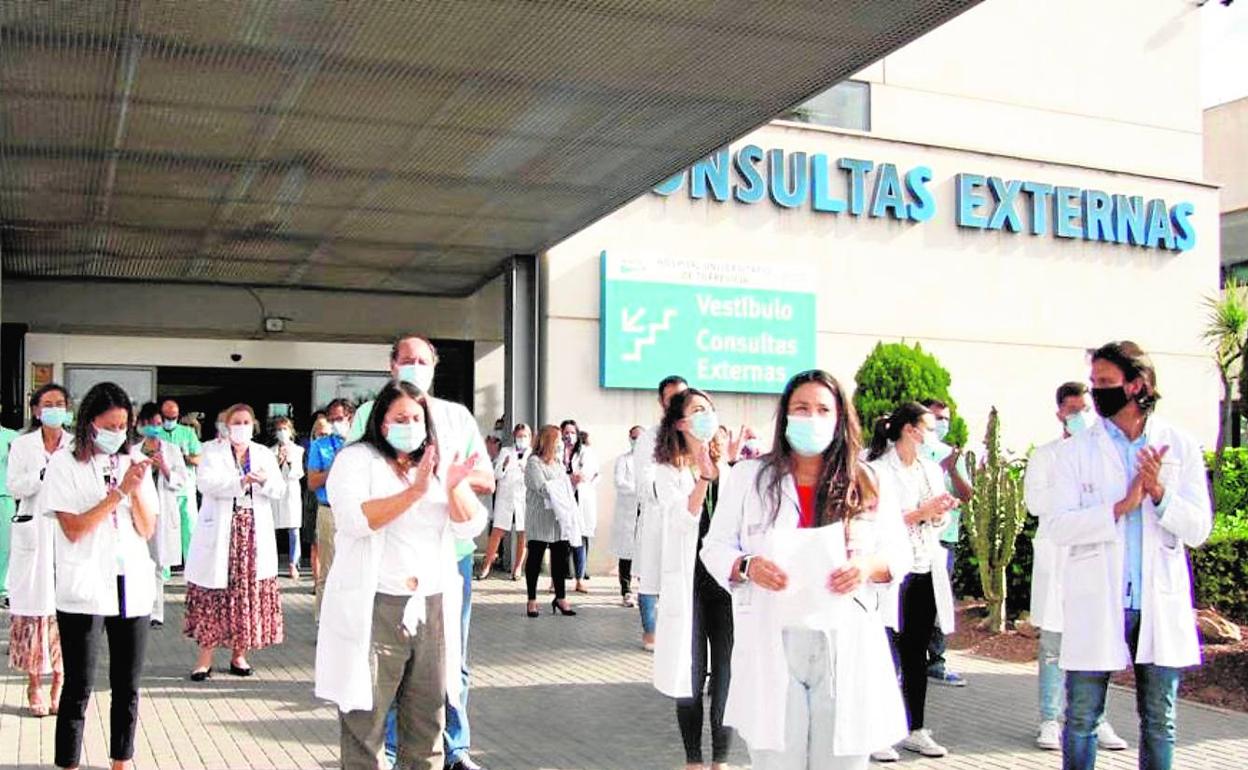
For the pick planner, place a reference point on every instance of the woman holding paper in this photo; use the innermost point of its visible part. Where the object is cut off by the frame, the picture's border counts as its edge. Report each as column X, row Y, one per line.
column 925, row 595
column 814, row 689
column 553, row 518
column 696, row 613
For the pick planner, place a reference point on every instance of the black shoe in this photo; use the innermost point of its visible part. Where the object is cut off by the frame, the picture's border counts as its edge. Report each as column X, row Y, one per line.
column 240, row 671
column 532, row 613
column 554, row 607
column 199, row 676
column 464, row 764
column 158, row 624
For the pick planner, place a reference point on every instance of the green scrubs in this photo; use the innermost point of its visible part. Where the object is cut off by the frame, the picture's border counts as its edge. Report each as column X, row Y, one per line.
column 8, row 506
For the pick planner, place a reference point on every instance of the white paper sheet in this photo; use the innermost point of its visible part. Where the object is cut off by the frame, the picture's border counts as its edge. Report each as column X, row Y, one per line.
column 808, row 557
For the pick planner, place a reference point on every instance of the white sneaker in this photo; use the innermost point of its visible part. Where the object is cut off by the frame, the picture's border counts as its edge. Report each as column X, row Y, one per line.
column 1050, row 737
column 1107, row 739
column 886, row 755
column 921, row 742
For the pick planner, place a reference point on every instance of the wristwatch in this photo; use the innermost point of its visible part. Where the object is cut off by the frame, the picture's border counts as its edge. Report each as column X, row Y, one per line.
column 743, row 571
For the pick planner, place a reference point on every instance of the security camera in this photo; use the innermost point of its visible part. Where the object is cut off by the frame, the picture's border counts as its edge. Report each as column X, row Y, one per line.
column 236, row 357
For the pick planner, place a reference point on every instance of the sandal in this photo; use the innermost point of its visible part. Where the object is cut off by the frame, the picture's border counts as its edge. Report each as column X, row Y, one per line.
column 35, row 704
column 54, row 706
column 200, row 674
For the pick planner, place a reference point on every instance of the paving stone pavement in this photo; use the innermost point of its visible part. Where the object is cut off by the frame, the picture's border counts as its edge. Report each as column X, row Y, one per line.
column 550, row 693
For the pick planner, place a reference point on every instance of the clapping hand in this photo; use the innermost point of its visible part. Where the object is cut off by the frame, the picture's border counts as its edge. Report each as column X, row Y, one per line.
column 459, row 471
column 1148, row 470
column 134, row 476
column 424, row 471
column 706, row 466
column 254, row 477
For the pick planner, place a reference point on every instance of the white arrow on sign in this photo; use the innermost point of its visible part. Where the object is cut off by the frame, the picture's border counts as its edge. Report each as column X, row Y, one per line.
column 631, row 324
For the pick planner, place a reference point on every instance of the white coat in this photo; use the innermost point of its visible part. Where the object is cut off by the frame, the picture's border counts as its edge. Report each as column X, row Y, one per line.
column 585, row 462
column 648, row 564
column 673, row 648
column 1090, row 479
column 220, row 481
column 889, row 469
column 1047, row 559
column 166, row 543
column 624, row 522
column 288, row 509
column 87, row 569
column 344, row 641
column 869, row 710
column 29, row 582
column 509, row 492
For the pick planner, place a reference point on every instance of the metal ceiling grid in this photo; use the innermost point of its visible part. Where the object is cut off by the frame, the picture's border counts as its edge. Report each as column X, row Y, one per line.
column 380, row 146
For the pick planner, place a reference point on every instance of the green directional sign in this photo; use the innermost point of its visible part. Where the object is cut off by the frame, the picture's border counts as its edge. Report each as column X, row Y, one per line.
column 725, row 326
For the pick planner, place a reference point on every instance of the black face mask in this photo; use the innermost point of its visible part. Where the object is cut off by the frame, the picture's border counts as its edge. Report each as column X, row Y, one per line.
column 1109, row 401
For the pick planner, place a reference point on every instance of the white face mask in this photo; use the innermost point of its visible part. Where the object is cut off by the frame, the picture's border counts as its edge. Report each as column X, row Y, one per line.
column 420, row 375
column 341, row 427
column 240, row 434
column 522, row 443
column 283, row 435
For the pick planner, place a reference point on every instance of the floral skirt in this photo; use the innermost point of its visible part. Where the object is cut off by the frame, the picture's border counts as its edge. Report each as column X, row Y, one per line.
column 247, row 613
column 35, row 644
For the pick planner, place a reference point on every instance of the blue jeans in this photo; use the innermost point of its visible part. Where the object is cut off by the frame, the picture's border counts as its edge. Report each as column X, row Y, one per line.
column 1156, row 691
column 455, row 738
column 648, row 605
column 1052, row 694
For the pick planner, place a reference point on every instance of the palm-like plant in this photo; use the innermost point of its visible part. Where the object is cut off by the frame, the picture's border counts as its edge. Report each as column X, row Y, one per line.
column 1226, row 331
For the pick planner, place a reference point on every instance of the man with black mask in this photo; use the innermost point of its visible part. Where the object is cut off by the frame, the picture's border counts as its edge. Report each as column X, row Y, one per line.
column 1129, row 497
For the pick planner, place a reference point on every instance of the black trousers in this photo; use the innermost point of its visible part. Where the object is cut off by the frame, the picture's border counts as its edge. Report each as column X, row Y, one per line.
column 918, row 618
column 558, row 566
column 626, row 577
column 712, row 627
column 80, row 648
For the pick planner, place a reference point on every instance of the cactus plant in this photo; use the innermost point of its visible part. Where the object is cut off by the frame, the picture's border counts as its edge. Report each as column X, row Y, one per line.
column 995, row 515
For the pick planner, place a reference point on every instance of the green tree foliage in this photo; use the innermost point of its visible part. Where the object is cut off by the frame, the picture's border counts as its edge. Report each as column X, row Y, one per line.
column 995, row 515
column 895, row 373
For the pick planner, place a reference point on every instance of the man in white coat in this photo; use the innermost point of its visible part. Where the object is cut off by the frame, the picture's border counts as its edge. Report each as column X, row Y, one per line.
column 649, row 559
column 1130, row 496
column 1046, row 611
column 624, row 523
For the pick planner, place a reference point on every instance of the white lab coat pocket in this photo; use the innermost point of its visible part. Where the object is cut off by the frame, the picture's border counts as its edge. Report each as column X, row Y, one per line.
column 25, row 536
column 1085, row 570
column 1171, row 563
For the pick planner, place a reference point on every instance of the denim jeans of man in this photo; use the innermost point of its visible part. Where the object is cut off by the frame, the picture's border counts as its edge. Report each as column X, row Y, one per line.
column 648, row 606
column 1052, row 681
column 1156, row 691
column 456, row 738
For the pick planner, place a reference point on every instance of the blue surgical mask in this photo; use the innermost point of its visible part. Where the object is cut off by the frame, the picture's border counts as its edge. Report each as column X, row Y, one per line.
column 169, row 424
column 420, row 375
column 703, row 425
column 54, row 416
column 810, row 436
column 1077, row 423
column 405, row 437
column 150, row 431
column 942, row 429
column 109, row 441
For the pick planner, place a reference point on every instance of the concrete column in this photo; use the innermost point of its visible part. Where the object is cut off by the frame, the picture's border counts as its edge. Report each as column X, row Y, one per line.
column 520, row 339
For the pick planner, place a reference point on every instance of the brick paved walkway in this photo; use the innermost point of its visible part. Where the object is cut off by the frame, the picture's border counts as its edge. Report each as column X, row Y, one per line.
column 559, row 693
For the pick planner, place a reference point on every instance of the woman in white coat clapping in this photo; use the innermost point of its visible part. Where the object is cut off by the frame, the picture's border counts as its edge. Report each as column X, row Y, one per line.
column 170, row 475
column 925, row 596
column 288, row 510
column 817, row 692
column 696, row 612
column 389, row 624
column 231, row 571
column 34, row 639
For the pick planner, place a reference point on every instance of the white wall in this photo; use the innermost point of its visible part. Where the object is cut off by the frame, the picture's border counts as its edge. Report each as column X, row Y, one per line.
column 1010, row 315
column 1110, row 84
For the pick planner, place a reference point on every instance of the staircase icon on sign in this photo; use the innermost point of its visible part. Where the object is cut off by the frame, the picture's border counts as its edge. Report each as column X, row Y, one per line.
column 630, row 323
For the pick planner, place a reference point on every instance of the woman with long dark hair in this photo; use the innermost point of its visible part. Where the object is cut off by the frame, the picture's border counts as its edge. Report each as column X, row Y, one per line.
column 34, row 640
column 552, row 519
column 105, row 503
column 232, row 599
column 389, row 625
column 696, row 612
column 924, row 596
column 815, row 691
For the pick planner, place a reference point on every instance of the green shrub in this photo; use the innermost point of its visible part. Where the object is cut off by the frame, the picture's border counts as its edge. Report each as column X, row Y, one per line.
column 1220, row 575
column 895, row 373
